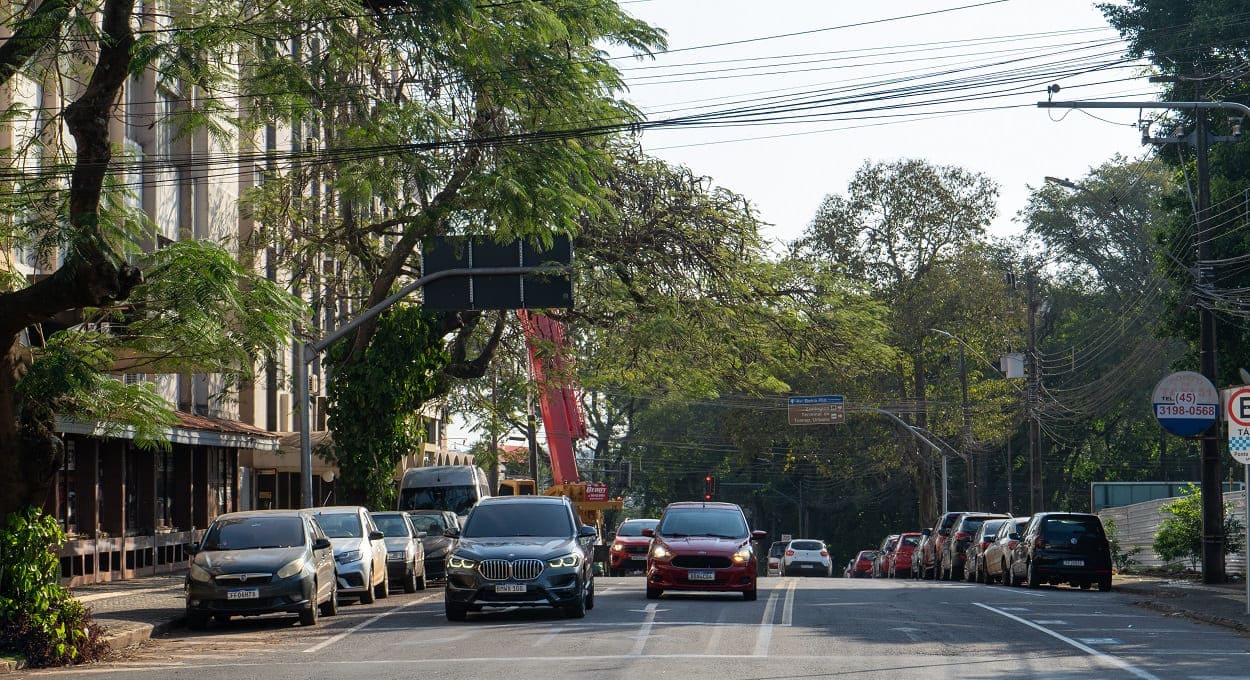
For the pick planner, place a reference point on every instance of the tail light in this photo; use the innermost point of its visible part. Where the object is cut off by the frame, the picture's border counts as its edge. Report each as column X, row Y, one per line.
column 789, row 553
column 962, row 536
column 1039, row 543
column 824, row 553
column 985, row 544
column 1011, row 545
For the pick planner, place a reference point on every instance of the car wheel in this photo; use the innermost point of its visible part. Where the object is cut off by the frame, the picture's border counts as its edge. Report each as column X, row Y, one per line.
column 983, row 575
column 1104, row 584
column 590, row 596
column 654, row 593
column 367, row 596
column 308, row 615
column 577, row 610
column 1083, row 585
column 420, row 580
column 221, row 618
column 383, row 589
column 750, row 595
column 331, row 605
column 455, row 612
column 410, row 581
column 1031, row 574
column 197, row 621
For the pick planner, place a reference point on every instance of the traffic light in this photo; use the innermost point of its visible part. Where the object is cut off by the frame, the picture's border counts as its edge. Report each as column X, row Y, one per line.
column 709, row 487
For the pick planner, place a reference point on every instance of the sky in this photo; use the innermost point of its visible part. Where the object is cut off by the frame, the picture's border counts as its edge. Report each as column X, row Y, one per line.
column 795, row 164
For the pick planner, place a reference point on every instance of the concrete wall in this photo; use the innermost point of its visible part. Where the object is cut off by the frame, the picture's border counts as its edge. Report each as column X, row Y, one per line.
column 1139, row 522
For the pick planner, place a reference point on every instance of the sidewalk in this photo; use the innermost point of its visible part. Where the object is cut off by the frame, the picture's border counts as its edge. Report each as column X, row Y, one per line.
column 1219, row 604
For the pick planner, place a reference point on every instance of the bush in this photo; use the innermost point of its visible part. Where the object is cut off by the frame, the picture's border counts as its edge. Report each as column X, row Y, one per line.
column 1180, row 536
column 39, row 619
column 1123, row 560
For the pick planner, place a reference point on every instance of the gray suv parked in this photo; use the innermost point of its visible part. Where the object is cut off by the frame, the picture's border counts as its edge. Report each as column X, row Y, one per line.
column 521, row 551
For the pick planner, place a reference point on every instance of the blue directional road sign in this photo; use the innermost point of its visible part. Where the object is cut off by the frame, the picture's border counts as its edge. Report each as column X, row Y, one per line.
column 826, row 409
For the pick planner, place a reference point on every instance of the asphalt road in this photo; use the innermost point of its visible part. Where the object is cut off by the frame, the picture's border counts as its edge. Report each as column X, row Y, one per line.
column 799, row 628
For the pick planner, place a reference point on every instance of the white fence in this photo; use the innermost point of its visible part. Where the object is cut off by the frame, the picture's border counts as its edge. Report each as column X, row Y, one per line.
column 1139, row 522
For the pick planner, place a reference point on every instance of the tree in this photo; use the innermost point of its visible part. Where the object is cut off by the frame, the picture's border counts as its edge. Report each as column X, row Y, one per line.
column 1180, row 536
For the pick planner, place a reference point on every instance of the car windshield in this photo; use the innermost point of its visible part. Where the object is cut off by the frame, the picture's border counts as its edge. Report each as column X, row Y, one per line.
column 635, row 527
column 807, row 545
column 430, row 524
column 457, row 499
column 868, row 555
column 971, row 525
column 341, row 524
column 911, row 541
column 392, row 526
column 251, row 533
column 1071, row 529
column 991, row 527
column 519, row 519
column 681, row 522
column 777, row 550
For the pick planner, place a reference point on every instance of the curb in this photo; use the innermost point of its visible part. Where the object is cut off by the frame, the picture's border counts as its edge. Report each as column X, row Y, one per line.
column 11, row 664
column 141, row 632
column 1193, row 615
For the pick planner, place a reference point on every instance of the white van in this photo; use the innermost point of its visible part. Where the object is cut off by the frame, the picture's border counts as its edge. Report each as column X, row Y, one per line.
column 456, row 488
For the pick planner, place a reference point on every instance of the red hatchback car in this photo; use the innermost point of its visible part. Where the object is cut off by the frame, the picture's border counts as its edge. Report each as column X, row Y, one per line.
column 702, row 547
column 629, row 546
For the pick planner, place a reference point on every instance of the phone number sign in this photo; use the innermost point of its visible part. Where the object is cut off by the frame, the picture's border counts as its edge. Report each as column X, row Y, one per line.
column 1186, row 403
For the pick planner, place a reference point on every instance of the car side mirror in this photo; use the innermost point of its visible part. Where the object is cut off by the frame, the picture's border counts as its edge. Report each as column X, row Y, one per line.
column 322, row 543
column 422, row 534
column 648, row 532
column 376, row 535
column 926, row 532
column 452, row 532
column 587, row 531
column 944, row 532
column 758, row 535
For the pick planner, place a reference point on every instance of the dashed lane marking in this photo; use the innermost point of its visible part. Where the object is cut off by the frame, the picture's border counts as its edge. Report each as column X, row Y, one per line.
column 1103, row 656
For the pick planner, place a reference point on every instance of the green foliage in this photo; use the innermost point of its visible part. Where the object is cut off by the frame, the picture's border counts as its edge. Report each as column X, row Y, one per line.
column 374, row 401
column 39, row 619
column 1121, row 559
column 1180, row 535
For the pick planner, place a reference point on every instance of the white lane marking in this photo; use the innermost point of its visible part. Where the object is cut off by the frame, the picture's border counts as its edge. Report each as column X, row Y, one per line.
column 645, row 631
column 543, row 641
column 717, row 628
column 1050, row 622
column 1113, row 660
column 787, row 611
column 1100, row 641
column 766, row 625
column 910, row 633
column 329, row 641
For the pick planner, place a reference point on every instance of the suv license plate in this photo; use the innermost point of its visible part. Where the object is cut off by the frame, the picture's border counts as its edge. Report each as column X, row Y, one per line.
column 1074, row 563
column 247, row 594
column 702, row 576
column 510, row 587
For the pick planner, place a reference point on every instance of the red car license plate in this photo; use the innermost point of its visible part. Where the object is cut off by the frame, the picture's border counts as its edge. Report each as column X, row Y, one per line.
column 702, row 576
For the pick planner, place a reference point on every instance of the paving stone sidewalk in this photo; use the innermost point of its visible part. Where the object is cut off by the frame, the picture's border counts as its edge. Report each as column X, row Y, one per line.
column 135, row 610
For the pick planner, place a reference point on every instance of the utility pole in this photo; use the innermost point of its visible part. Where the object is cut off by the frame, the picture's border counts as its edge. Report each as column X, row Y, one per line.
column 1212, row 490
column 1035, row 434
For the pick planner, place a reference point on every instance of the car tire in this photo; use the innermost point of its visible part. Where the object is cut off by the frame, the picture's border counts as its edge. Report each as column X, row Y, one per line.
column 369, row 594
column 420, row 580
column 1031, row 574
column 1104, row 584
column 410, row 581
column 577, row 610
column 331, row 606
column 455, row 612
column 197, row 621
column 383, row 589
column 654, row 593
column 308, row 615
column 590, row 596
column 750, row 595
column 221, row 618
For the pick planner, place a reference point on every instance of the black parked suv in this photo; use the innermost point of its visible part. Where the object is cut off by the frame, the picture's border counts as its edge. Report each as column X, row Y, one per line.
column 521, row 551
column 1062, row 547
column 955, row 547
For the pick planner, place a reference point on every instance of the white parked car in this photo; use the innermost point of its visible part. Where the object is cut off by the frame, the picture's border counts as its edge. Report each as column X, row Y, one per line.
column 775, row 551
column 808, row 557
column 359, row 551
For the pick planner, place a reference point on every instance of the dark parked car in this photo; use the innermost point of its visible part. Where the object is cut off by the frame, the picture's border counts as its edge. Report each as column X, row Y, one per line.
column 437, row 545
column 955, row 545
column 405, row 556
column 928, row 558
column 521, row 551
column 703, row 546
column 1062, row 547
column 261, row 562
column 974, row 565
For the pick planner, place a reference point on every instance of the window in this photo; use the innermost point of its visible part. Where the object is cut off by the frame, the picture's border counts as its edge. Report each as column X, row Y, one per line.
column 164, row 489
column 680, row 522
column 635, row 527
column 392, row 526
column 340, row 524
column 807, row 545
column 519, row 519
column 251, row 533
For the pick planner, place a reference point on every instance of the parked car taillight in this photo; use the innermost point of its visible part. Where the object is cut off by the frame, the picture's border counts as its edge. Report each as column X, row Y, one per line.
column 962, row 536
column 789, row 553
column 984, row 545
column 824, row 553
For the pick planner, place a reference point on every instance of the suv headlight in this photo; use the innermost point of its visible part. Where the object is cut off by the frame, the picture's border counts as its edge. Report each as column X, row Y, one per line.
column 348, row 556
column 743, row 555
column 200, row 574
column 659, row 552
column 292, row 568
column 569, row 560
column 458, row 562
column 617, row 547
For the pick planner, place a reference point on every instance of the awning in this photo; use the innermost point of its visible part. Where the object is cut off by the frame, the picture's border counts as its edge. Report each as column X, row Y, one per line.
column 191, row 429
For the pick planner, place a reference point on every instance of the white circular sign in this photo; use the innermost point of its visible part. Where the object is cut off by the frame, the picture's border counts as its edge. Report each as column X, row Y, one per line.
column 1186, row 403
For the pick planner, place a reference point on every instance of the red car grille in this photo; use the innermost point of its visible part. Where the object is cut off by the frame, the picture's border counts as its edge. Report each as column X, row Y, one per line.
column 700, row 562
column 636, row 549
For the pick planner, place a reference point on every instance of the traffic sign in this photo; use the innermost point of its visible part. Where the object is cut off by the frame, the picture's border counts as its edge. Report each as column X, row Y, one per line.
column 1237, row 412
column 1186, row 403
column 827, row 409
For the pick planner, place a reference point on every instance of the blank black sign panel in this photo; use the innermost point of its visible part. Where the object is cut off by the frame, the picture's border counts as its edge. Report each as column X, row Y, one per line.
column 508, row 291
